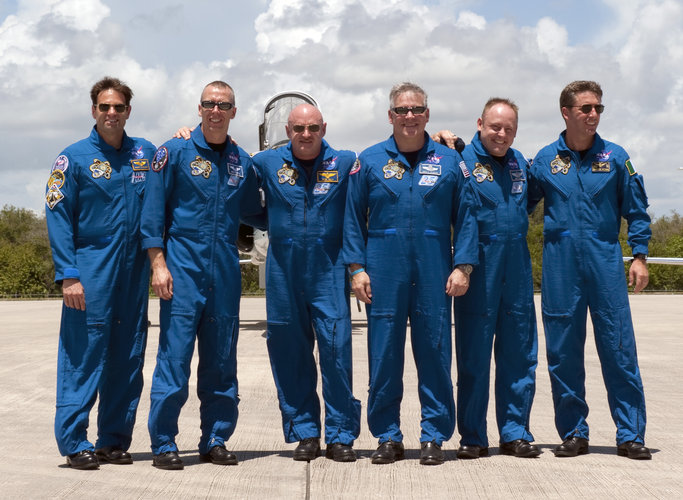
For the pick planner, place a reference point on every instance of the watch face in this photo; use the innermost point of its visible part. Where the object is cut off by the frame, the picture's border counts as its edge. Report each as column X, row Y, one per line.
column 465, row 268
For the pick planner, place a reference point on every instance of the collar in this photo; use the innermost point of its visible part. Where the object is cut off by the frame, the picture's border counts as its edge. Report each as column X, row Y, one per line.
column 428, row 147
column 96, row 138
column 325, row 153
column 198, row 138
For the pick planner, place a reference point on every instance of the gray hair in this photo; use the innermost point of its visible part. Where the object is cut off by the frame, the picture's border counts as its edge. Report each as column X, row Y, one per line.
column 402, row 88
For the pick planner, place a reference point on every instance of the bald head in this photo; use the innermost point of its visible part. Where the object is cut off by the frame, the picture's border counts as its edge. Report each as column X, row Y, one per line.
column 306, row 129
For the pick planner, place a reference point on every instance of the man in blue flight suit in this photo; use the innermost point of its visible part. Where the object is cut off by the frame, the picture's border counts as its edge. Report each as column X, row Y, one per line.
column 189, row 228
column 307, row 289
column 500, row 300
column 94, row 201
column 404, row 198
column 588, row 185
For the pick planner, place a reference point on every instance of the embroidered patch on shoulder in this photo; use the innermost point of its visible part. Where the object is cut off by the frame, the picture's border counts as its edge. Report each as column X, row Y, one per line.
column 629, row 167
column 61, row 163
column 56, row 179
column 53, row 196
column 160, row 159
column 463, row 168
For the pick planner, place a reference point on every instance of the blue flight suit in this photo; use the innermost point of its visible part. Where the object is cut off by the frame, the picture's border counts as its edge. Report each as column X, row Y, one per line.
column 398, row 225
column 94, row 201
column 585, row 199
column 307, row 292
column 191, row 210
column 500, row 302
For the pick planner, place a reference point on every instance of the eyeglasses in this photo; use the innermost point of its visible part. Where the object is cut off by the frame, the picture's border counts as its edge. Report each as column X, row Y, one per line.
column 225, row 106
column 587, row 108
column 402, row 110
column 104, row 107
column 312, row 128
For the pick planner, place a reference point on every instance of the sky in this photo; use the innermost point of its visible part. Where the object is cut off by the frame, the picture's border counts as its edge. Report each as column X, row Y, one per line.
column 347, row 54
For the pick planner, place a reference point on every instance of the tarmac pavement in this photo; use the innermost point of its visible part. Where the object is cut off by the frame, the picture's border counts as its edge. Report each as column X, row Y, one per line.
column 31, row 467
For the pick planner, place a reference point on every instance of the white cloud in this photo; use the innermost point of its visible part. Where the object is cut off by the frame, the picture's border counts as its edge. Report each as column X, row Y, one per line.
column 467, row 19
column 347, row 54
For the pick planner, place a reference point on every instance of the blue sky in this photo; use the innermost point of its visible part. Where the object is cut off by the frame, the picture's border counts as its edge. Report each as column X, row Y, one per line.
column 347, row 54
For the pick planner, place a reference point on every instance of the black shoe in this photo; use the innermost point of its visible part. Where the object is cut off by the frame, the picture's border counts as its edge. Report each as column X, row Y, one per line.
column 431, row 453
column 636, row 451
column 307, row 450
column 113, row 455
column 468, row 451
column 83, row 460
column 340, row 452
column 572, row 447
column 520, row 448
column 168, row 461
column 388, row 452
column 219, row 456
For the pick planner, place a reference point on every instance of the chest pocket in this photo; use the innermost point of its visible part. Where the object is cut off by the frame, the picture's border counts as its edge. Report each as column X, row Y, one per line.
column 383, row 196
column 429, row 193
column 560, row 185
column 598, row 180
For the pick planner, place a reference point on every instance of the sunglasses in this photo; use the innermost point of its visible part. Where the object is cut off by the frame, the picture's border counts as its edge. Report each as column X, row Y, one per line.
column 587, row 108
column 225, row 106
column 313, row 128
column 119, row 108
column 402, row 110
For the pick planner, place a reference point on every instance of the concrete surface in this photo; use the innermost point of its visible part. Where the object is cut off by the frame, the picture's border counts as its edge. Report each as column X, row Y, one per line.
column 30, row 465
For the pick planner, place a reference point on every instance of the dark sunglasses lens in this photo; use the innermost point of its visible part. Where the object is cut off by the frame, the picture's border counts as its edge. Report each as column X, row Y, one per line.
column 587, row 108
column 311, row 128
column 417, row 110
column 225, row 106
column 119, row 108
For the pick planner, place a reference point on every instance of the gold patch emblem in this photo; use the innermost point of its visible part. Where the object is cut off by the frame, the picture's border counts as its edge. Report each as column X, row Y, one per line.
column 393, row 168
column 200, row 166
column 100, row 169
column 328, row 176
column 560, row 164
column 483, row 172
column 287, row 174
column 56, row 179
column 53, row 196
column 601, row 166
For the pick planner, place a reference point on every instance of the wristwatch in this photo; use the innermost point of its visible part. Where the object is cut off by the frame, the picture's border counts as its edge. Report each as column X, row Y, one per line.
column 640, row 256
column 465, row 268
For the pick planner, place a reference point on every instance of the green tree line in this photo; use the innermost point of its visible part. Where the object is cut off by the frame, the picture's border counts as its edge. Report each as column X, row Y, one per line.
column 26, row 268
